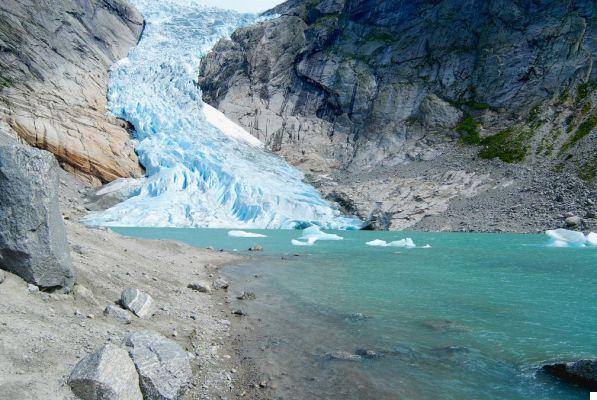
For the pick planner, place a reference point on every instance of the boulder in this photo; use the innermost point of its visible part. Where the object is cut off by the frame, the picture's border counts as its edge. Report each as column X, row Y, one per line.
column 581, row 373
column 200, row 286
column 163, row 366
column 33, row 242
column 246, row 296
column 107, row 374
column 221, row 283
column 256, row 247
column 573, row 221
column 140, row 303
column 118, row 314
column 2, row 276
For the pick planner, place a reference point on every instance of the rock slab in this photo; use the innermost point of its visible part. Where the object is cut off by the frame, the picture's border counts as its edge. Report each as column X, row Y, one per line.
column 140, row 303
column 107, row 374
column 33, row 243
column 163, row 366
column 118, row 314
column 582, row 373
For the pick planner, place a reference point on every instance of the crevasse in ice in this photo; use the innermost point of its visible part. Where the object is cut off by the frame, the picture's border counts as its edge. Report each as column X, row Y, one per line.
column 202, row 170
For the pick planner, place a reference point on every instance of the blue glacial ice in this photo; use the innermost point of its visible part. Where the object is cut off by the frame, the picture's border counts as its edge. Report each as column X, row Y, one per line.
column 202, row 170
column 312, row 234
column 567, row 238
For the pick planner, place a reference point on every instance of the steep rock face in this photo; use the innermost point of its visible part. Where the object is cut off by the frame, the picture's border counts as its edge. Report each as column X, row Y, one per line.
column 352, row 88
column 54, row 60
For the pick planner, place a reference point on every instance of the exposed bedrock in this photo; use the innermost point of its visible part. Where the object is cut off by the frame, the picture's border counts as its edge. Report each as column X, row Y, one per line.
column 54, row 61
column 366, row 92
column 33, row 241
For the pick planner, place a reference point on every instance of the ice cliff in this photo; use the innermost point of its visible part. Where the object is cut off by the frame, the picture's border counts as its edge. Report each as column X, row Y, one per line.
column 202, row 170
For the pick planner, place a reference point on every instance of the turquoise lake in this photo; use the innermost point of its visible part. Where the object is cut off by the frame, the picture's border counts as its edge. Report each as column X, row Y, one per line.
column 469, row 318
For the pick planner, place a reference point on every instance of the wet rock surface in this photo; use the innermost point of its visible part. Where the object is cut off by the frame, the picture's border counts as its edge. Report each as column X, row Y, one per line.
column 582, row 373
column 33, row 241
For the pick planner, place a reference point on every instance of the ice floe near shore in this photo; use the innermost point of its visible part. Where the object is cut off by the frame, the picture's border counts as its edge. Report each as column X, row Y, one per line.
column 406, row 243
column 312, row 234
column 244, row 234
column 567, row 238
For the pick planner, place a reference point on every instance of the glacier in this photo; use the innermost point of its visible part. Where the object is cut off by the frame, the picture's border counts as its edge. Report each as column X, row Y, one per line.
column 202, row 170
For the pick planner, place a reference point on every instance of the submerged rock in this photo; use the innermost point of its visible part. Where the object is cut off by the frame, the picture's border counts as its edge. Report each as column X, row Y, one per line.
column 107, row 374
column 343, row 356
column 140, row 303
column 582, row 373
column 163, row 366
column 370, row 354
column 33, row 242
column 443, row 325
column 246, row 296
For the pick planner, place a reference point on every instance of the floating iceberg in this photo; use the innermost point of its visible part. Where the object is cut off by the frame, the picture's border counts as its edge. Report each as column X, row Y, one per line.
column 407, row 243
column 299, row 243
column 243, row 234
column 567, row 238
column 203, row 170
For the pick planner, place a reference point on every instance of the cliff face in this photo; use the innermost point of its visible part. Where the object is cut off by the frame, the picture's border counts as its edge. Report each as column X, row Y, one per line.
column 54, row 61
column 380, row 100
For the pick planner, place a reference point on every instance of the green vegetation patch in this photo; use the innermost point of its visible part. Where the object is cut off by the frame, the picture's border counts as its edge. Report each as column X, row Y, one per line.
column 509, row 145
column 583, row 130
column 588, row 171
column 584, row 90
column 469, row 129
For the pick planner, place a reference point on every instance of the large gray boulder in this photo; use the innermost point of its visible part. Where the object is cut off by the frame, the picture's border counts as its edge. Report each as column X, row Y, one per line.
column 163, row 366
column 107, row 374
column 33, row 240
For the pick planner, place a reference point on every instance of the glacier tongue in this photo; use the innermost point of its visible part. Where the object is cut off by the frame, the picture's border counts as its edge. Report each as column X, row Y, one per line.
column 202, row 169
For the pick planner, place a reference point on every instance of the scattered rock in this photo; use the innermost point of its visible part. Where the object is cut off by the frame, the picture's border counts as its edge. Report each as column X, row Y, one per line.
column 200, row 286
column 140, row 303
column 221, row 283
column 33, row 242
column 573, row 221
column 239, row 313
column 107, row 374
column 246, row 296
column 370, row 354
column 256, row 247
column 32, row 288
column 80, row 292
column 582, row 373
column 343, row 356
column 118, row 314
column 590, row 214
column 163, row 366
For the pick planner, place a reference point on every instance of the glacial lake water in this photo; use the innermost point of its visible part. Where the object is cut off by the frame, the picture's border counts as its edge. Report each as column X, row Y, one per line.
column 471, row 317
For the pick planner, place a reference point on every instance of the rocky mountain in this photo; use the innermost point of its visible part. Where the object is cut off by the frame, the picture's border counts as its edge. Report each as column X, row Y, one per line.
column 54, row 61
column 439, row 114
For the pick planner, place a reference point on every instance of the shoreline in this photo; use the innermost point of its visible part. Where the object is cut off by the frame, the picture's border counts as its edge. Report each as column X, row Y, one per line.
column 43, row 335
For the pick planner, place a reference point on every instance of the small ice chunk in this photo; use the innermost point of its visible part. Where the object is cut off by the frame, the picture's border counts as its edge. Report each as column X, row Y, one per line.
column 592, row 238
column 378, row 243
column 564, row 237
column 427, row 246
column 244, row 234
column 313, row 234
column 408, row 243
column 299, row 243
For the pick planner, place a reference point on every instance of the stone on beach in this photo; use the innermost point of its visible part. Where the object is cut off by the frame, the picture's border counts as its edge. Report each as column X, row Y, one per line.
column 582, row 373
column 221, row 283
column 118, row 314
column 246, row 296
column 163, row 366
column 256, row 247
column 200, row 286
column 107, row 374
column 140, row 303
column 33, row 242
